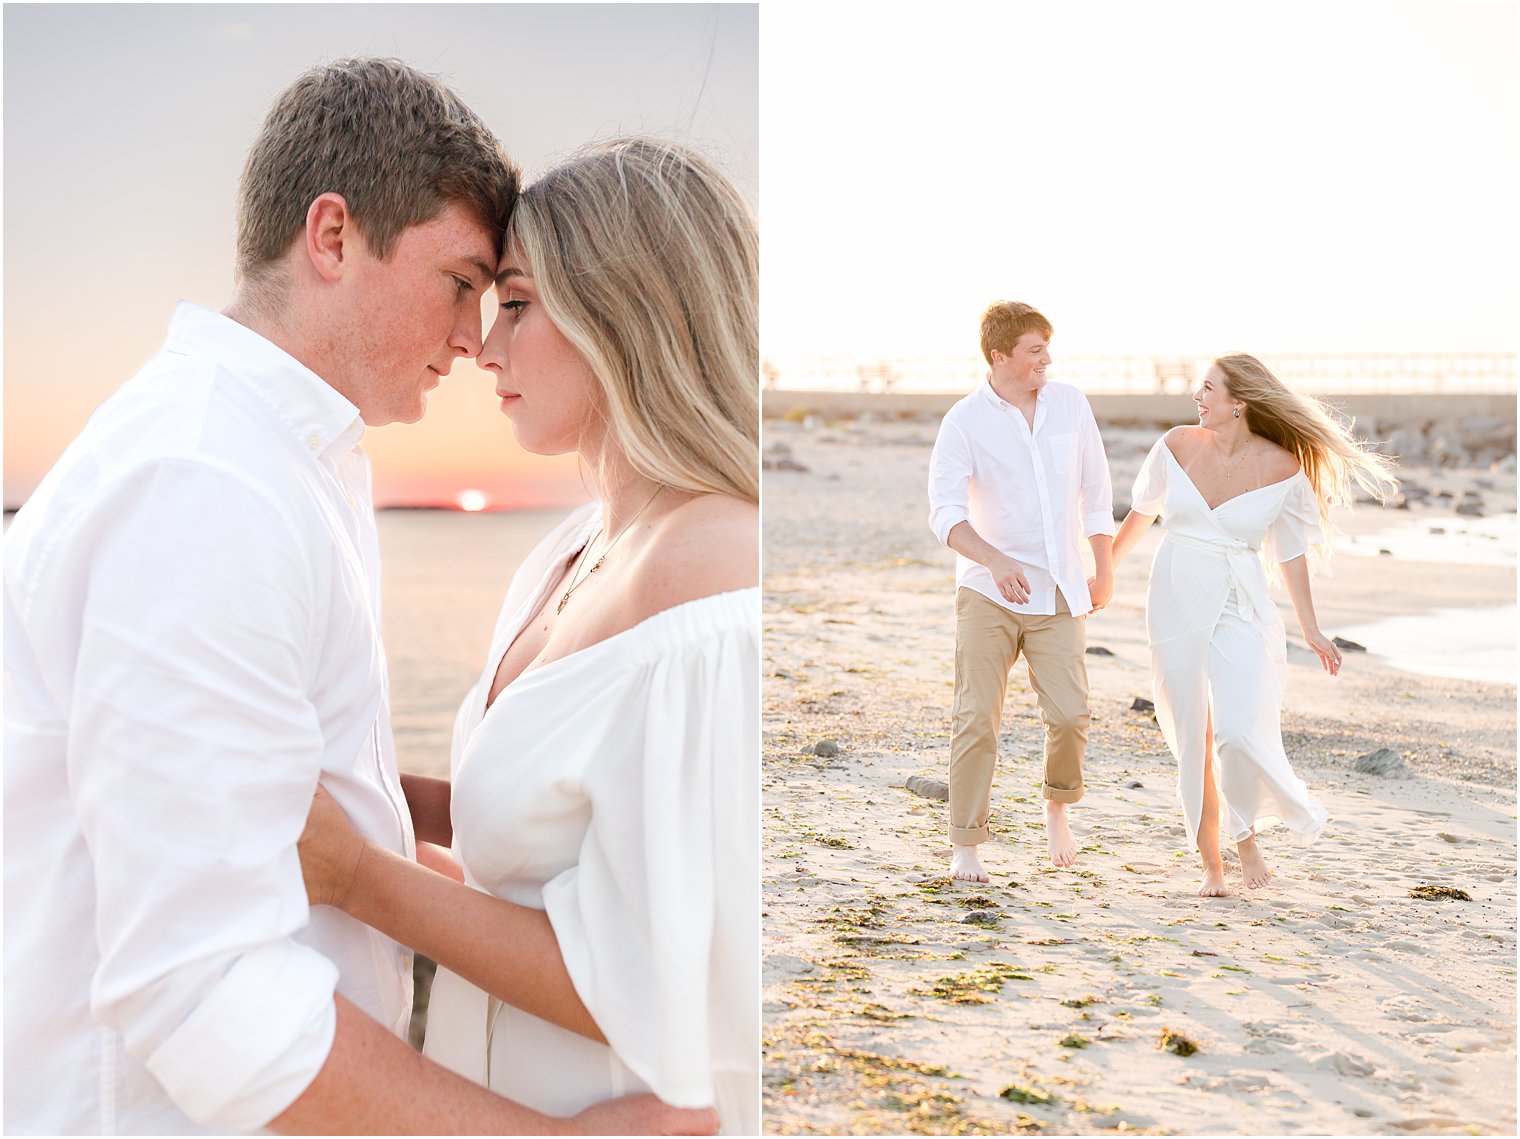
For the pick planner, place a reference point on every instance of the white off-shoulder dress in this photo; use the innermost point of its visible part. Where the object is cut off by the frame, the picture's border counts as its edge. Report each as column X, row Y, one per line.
column 617, row 789
column 1217, row 643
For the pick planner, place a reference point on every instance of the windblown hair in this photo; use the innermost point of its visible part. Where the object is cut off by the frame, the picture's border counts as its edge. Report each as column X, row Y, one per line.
column 1004, row 322
column 646, row 258
column 1306, row 428
column 397, row 144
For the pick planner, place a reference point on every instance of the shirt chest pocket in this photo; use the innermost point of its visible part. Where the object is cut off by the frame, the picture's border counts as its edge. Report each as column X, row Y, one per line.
column 1063, row 453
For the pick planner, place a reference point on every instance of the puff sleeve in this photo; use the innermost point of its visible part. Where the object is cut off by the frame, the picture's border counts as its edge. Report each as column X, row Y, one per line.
column 657, row 929
column 1297, row 526
column 1149, row 493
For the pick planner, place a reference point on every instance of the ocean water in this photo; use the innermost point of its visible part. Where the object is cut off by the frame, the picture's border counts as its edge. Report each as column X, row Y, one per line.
column 1487, row 541
column 1468, row 644
column 443, row 576
column 1465, row 643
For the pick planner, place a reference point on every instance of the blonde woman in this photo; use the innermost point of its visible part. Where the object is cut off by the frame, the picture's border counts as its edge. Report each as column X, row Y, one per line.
column 1258, row 473
column 605, row 770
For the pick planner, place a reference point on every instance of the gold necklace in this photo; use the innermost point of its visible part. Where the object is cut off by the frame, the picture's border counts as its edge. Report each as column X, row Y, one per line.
column 1244, row 451
column 574, row 585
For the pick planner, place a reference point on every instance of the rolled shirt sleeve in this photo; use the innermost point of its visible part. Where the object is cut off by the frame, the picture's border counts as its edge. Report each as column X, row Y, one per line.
column 950, row 469
column 1097, row 487
column 193, row 754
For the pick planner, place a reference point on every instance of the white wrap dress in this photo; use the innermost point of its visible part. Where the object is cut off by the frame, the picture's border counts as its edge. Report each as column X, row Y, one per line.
column 618, row 789
column 1217, row 643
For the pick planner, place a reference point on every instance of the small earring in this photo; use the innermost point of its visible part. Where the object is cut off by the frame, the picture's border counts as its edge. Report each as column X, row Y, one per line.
column 1237, row 413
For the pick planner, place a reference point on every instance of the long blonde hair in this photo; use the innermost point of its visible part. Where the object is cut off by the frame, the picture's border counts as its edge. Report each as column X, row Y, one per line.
column 646, row 258
column 1306, row 428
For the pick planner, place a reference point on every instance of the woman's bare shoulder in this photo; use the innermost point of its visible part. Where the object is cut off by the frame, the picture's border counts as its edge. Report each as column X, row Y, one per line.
column 709, row 544
column 1281, row 463
column 1182, row 439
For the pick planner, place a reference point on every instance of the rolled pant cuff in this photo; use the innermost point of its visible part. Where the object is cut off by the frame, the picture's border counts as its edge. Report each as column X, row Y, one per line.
column 970, row 836
column 1062, row 794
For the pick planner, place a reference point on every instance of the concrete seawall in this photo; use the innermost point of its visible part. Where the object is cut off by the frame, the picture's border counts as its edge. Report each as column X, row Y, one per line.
column 1384, row 409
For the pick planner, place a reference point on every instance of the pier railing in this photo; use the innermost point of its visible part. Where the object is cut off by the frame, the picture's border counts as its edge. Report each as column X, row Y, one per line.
column 1393, row 373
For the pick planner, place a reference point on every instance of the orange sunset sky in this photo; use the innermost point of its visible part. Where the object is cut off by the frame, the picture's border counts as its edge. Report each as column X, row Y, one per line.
column 125, row 131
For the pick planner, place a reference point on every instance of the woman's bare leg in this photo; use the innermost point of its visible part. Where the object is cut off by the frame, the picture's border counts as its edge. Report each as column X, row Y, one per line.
column 1208, row 824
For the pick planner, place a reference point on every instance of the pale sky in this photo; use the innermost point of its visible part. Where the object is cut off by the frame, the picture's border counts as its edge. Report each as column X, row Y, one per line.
column 1175, row 178
column 125, row 131
column 1168, row 178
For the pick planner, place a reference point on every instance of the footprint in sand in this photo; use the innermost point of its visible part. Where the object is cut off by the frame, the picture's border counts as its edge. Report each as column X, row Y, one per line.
column 1408, row 1008
column 1344, row 1063
column 1457, row 839
column 1266, row 1037
column 1249, row 1082
column 1467, row 1042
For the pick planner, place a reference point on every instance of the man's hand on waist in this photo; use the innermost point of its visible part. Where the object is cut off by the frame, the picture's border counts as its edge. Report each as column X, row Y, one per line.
column 1009, row 578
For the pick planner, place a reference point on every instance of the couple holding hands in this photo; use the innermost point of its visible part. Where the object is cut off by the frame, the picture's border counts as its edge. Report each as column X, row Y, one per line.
column 1018, row 479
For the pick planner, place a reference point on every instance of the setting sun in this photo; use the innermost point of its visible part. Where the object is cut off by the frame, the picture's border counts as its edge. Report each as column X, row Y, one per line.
column 472, row 500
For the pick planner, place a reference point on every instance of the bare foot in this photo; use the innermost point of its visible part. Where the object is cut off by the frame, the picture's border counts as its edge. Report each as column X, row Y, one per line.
column 965, row 865
column 1252, row 864
column 1063, row 851
column 1213, row 881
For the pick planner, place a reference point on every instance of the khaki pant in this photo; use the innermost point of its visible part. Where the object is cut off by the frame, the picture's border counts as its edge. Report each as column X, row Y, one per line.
column 988, row 640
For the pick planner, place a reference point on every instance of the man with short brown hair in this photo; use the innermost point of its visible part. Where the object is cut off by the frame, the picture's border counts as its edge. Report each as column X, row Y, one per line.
column 192, row 644
column 1017, row 478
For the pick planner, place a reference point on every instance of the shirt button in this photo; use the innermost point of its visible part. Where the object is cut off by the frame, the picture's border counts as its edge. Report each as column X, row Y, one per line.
column 315, row 442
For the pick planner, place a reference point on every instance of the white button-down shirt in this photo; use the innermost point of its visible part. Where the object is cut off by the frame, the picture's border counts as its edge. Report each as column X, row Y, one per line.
column 191, row 641
column 1033, row 492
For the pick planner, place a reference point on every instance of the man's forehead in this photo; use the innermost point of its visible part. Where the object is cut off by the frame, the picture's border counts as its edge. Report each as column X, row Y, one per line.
column 457, row 233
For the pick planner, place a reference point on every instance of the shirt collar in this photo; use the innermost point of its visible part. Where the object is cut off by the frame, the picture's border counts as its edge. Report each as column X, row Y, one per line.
column 991, row 396
column 320, row 419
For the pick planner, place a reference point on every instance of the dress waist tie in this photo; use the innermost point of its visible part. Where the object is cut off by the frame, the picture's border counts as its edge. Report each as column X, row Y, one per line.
column 1248, row 584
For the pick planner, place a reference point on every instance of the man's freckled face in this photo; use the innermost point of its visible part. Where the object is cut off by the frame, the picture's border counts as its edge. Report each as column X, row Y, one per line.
column 1025, row 365
column 423, row 305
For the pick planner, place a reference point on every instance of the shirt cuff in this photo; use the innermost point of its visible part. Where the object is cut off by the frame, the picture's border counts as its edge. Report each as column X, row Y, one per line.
column 947, row 518
column 1098, row 523
column 256, row 1042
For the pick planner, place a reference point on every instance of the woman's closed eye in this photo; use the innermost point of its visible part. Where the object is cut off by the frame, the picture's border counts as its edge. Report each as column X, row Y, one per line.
column 515, row 306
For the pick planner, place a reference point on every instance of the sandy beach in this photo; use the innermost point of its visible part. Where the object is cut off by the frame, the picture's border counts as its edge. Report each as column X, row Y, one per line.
column 1331, row 1002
